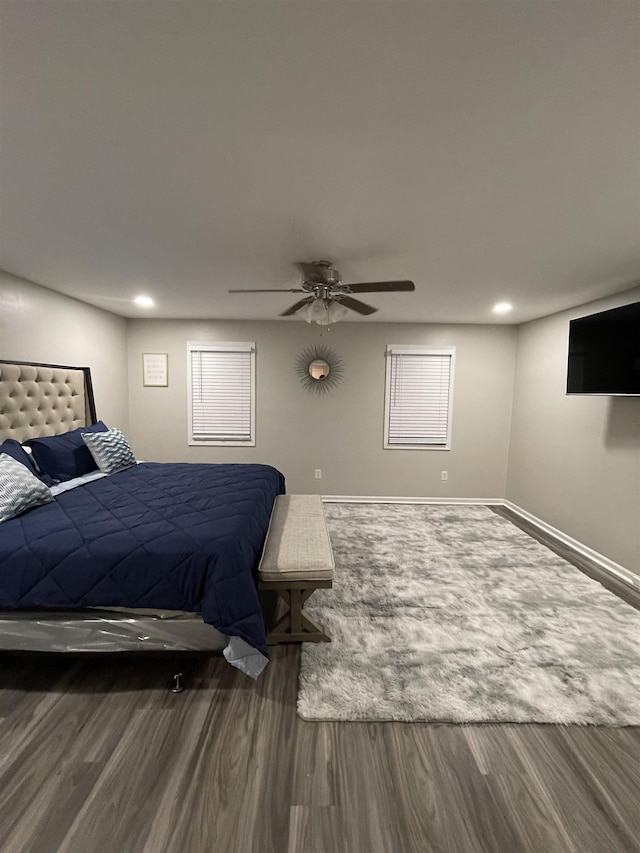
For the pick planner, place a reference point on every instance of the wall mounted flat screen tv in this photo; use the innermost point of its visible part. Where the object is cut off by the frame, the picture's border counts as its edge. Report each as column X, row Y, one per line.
column 604, row 352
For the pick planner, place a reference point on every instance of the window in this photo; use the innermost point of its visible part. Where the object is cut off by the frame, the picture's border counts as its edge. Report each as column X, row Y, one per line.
column 222, row 393
column 418, row 397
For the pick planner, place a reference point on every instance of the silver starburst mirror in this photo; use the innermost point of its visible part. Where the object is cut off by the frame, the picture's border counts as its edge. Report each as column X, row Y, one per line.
column 319, row 368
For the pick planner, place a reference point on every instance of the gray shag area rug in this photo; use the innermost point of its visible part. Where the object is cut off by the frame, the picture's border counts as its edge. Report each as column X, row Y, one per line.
column 453, row 614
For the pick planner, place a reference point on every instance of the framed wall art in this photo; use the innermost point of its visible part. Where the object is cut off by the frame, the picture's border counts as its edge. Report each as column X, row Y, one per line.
column 155, row 369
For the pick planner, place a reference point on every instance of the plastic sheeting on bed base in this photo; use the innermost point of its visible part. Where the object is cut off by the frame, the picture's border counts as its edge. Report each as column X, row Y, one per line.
column 114, row 631
column 107, row 631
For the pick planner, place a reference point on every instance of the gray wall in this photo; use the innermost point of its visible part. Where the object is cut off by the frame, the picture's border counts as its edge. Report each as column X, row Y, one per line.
column 572, row 461
column 575, row 461
column 340, row 432
column 37, row 324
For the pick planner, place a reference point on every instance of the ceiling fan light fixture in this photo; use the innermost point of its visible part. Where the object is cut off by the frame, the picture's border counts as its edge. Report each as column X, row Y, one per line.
column 336, row 312
column 322, row 311
column 304, row 312
column 318, row 312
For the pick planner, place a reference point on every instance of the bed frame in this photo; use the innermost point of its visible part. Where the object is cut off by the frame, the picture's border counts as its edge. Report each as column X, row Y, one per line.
column 36, row 400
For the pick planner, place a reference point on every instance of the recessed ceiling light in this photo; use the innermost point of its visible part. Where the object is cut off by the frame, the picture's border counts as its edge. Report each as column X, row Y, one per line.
column 502, row 308
column 144, row 301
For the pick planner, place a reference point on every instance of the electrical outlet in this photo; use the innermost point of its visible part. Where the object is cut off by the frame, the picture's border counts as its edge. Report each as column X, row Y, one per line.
column 444, row 475
column 318, row 473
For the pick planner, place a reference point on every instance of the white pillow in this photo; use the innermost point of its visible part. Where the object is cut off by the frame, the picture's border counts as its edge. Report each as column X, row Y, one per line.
column 110, row 450
column 20, row 490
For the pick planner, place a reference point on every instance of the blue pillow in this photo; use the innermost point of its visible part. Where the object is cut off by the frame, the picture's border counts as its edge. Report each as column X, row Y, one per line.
column 65, row 456
column 14, row 449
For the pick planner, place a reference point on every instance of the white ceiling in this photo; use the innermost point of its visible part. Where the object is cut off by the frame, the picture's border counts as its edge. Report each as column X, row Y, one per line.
column 487, row 150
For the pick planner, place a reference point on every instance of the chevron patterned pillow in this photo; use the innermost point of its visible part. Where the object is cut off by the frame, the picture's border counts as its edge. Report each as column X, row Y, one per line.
column 20, row 490
column 110, row 450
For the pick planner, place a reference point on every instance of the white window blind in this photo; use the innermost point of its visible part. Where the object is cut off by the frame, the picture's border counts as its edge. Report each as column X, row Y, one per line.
column 418, row 397
column 222, row 393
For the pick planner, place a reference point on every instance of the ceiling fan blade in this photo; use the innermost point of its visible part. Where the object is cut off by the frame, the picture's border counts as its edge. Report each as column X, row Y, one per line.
column 380, row 286
column 356, row 305
column 297, row 306
column 272, row 290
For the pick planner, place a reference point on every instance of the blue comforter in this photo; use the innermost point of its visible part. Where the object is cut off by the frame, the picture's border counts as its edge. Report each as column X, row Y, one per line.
column 173, row 536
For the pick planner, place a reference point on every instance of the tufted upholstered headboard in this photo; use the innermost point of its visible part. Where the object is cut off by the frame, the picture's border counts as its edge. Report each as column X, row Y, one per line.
column 43, row 399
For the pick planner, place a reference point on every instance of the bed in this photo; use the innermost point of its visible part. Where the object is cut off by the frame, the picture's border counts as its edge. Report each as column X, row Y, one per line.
column 156, row 556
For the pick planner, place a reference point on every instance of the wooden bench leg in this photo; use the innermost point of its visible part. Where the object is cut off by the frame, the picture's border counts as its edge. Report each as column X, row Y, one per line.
column 294, row 626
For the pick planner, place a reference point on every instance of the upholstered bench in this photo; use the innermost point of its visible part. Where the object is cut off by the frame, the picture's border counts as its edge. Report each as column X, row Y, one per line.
column 296, row 560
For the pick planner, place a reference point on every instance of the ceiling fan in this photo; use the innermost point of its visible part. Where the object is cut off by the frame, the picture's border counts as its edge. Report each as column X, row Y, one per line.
column 327, row 298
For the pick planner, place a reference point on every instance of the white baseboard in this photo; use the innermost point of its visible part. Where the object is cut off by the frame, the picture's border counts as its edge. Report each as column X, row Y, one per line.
column 608, row 566
column 369, row 499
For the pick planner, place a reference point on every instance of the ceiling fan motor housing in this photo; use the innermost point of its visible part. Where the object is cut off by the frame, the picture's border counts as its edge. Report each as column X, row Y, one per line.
column 323, row 274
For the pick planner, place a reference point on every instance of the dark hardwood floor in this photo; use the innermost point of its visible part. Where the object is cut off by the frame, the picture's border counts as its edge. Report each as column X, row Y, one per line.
column 100, row 756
